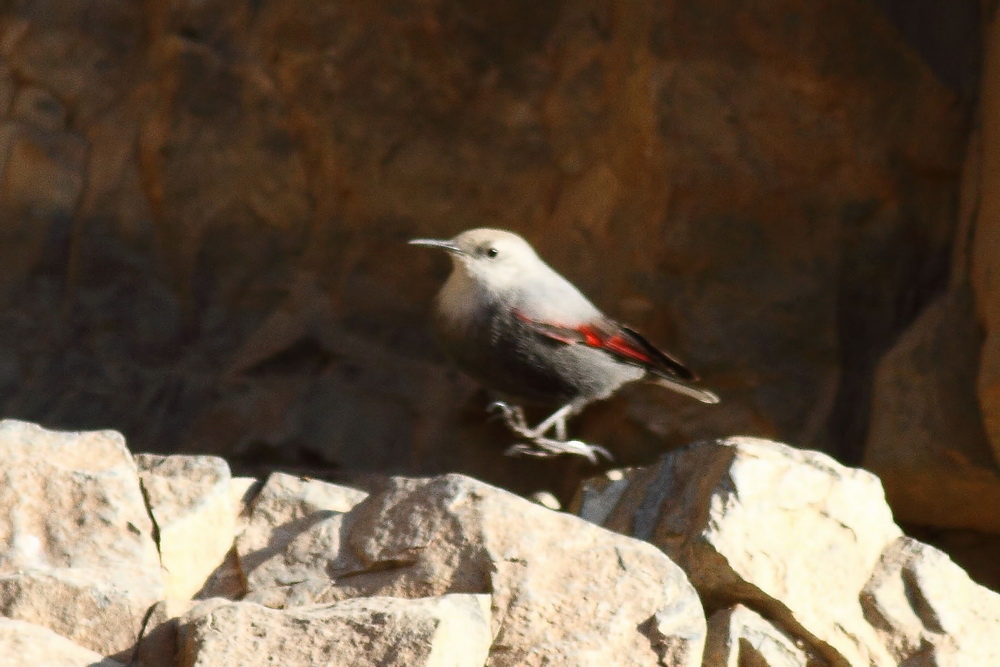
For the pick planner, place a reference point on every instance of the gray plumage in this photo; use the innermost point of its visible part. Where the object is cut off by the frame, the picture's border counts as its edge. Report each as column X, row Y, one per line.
column 510, row 321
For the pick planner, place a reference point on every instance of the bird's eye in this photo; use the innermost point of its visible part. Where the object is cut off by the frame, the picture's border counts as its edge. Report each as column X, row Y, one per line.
column 492, row 252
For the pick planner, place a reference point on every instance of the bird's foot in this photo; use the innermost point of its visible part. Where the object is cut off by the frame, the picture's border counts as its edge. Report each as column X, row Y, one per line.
column 513, row 417
column 547, row 447
column 538, row 445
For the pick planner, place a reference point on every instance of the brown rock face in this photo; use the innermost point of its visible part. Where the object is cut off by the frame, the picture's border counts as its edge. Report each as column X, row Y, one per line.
column 985, row 268
column 926, row 440
column 204, row 206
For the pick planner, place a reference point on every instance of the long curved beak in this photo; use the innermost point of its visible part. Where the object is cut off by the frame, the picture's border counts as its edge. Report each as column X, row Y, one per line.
column 434, row 243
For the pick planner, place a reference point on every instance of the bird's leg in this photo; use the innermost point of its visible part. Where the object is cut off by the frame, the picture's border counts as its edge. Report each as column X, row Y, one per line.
column 541, row 445
column 512, row 415
column 557, row 419
column 560, row 427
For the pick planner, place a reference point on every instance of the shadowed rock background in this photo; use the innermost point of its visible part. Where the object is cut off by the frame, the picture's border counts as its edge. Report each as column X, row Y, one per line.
column 203, row 209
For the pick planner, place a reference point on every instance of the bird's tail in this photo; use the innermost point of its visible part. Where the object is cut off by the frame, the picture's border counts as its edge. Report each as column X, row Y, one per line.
column 703, row 395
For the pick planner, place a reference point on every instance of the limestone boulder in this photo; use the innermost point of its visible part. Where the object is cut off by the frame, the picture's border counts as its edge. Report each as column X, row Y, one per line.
column 228, row 580
column 739, row 636
column 975, row 552
column 101, row 609
column 71, row 500
column 564, row 591
column 293, row 530
column 159, row 644
column 191, row 501
column 789, row 533
column 795, row 558
column 77, row 553
column 28, row 644
column 928, row 611
column 445, row 631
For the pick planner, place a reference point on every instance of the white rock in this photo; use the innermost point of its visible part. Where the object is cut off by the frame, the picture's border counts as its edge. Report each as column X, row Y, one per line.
column 227, row 580
column 784, row 530
column 565, row 592
column 97, row 608
column 191, row 501
column 70, row 500
column 928, row 610
column 23, row 644
column 292, row 533
column 445, row 631
column 739, row 636
column 76, row 548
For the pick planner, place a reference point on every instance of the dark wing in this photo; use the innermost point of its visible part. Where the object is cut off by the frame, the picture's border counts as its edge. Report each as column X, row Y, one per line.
column 615, row 339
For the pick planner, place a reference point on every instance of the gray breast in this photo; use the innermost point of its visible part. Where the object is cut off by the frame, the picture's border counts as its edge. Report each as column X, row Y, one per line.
column 503, row 353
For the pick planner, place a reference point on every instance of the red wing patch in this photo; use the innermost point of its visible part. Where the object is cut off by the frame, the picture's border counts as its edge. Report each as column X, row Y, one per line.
column 619, row 345
column 614, row 339
column 616, row 344
column 590, row 337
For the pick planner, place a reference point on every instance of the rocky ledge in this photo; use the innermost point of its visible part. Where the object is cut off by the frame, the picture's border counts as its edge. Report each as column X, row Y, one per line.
column 730, row 552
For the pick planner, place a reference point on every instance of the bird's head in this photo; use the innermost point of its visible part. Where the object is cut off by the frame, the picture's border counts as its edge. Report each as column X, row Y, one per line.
column 493, row 258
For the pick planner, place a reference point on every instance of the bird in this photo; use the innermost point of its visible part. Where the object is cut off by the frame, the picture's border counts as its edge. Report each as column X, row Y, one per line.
column 510, row 321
